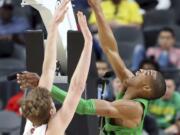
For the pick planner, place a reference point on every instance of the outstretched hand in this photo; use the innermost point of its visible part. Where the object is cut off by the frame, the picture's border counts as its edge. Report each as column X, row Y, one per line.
column 60, row 12
column 84, row 27
column 28, row 80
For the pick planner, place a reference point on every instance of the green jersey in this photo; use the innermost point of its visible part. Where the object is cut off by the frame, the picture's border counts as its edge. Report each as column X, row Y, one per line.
column 165, row 111
column 119, row 130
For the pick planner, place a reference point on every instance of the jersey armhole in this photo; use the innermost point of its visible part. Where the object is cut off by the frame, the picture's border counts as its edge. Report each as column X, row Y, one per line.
column 144, row 104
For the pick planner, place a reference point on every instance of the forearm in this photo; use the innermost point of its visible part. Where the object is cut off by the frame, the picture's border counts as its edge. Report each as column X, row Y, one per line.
column 78, row 80
column 109, row 44
column 107, row 39
column 86, row 107
column 49, row 64
column 77, row 84
column 51, row 49
column 81, row 72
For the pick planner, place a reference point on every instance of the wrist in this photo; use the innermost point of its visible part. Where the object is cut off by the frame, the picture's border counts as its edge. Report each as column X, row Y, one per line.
column 96, row 8
column 88, row 41
column 53, row 25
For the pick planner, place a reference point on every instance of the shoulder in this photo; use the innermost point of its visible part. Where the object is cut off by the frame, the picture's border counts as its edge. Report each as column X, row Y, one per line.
column 132, row 109
column 144, row 106
column 133, row 105
column 143, row 102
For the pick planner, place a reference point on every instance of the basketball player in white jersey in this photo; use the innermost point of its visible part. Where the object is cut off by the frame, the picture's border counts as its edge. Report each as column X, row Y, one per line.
column 38, row 107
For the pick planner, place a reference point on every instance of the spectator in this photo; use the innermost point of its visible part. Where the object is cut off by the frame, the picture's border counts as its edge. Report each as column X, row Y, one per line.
column 166, row 109
column 113, row 88
column 166, row 54
column 11, row 28
column 116, row 86
column 148, row 64
column 14, row 102
column 102, row 67
column 103, row 91
column 120, row 13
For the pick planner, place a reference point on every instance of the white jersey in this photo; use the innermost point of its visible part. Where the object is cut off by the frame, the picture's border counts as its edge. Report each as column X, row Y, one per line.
column 30, row 130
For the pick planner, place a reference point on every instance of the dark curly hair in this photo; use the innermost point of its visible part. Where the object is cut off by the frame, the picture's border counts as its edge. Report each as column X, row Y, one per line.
column 37, row 105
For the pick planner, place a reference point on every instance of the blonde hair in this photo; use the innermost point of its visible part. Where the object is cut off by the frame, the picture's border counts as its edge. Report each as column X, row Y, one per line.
column 37, row 105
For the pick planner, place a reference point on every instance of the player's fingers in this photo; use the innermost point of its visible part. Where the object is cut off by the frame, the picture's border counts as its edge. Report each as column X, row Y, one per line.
column 65, row 10
column 63, row 5
column 80, row 19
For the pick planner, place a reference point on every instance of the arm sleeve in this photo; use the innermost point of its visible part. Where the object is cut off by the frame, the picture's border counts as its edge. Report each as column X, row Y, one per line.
column 85, row 107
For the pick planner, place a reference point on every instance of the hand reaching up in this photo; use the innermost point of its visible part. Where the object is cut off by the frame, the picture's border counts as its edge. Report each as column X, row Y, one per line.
column 61, row 11
column 84, row 27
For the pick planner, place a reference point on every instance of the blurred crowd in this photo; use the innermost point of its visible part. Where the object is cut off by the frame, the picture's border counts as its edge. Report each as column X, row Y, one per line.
column 148, row 37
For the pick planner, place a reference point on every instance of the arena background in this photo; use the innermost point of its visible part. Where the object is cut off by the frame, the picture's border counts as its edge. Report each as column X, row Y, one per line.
column 22, row 35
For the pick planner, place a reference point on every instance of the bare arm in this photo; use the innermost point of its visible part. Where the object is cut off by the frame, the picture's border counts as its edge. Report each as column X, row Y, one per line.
column 78, row 81
column 108, row 42
column 127, row 110
column 49, row 64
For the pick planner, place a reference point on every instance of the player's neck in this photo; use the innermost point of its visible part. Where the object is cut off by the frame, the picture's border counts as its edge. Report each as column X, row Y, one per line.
column 129, row 94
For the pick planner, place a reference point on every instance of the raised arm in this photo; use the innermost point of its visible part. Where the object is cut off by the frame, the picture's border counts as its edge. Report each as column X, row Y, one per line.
column 108, row 42
column 78, row 81
column 49, row 64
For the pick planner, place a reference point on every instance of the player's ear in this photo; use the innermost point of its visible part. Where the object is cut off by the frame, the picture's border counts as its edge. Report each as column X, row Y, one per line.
column 51, row 112
column 146, row 88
